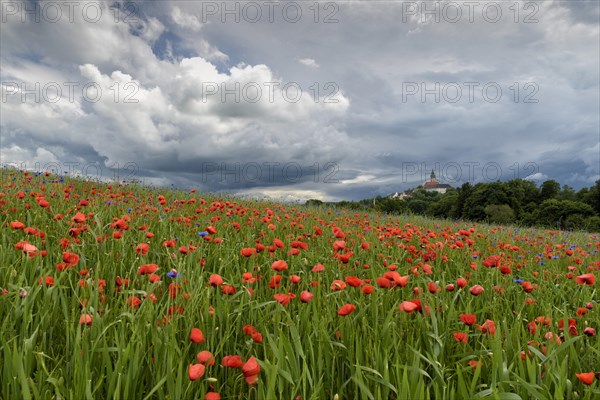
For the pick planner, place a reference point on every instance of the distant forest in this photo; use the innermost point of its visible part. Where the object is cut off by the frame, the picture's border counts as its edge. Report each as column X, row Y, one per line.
column 517, row 201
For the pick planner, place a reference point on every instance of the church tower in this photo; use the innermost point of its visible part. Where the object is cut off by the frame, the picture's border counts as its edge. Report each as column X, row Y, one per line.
column 432, row 177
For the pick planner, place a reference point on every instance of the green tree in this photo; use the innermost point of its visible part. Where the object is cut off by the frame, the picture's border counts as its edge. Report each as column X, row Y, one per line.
column 521, row 193
column 444, row 206
column 499, row 213
column 417, row 206
column 554, row 213
column 592, row 224
column 594, row 197
column 567, row 193
column 483, row 195
column 314, row 202
column 549, row 190
column 463, row 194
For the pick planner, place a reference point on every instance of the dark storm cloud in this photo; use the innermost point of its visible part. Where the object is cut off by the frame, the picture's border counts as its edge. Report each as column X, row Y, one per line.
column 380, row 135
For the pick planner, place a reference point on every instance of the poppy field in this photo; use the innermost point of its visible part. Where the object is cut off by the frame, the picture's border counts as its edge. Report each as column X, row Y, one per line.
column 120, row 291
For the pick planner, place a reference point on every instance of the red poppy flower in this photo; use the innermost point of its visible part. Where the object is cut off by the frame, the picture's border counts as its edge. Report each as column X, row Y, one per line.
column 248, row 278
column 396, row 278
column 48, row 281
column 232, row 361
column 299, row 244
column 275, row 282
column 587, row 378
column 79, row 218
column 532, row 327
column 586, row 279
column 251, row 370
column 205, row 357
column 43, row 203
column 306, row 296
column 85, row 319
column 527, row 287
column 488, row 326
column 215, row 280
column 279, row 265
column 17, row 225
column 505, row 270
column 318, row 268
column 368, row 289
column 346, row 309
column 142, row 249
column 248, row 251
column 339, row 245
column 345, row 258
column 461, row 283
column 195, row 371
column 570, row 322
column 476, row 290
column 468, row 319
column 408, row 307
column 353, row 281
column 460, row 337
column 384, row 283
column 133, row 302
column 212, row 396
column 227, row 289
column 257, row 337
column 283, row 299
column 196, row 336
column 338, row 233
column 589, row 331
column 249, row 330
column 432, row 287
column 71, row 259
column 544, row 320
column 338, row 285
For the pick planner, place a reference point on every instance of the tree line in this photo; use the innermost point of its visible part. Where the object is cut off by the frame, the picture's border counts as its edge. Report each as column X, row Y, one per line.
column 517, row 201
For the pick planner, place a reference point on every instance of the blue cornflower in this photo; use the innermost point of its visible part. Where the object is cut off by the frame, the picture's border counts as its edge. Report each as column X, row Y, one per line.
column 173, row 274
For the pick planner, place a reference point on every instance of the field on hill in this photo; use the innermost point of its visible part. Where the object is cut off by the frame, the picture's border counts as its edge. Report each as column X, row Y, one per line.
column 115, row 291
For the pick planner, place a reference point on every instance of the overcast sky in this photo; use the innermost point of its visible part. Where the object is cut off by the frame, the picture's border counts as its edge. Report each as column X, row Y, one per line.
column 296, row 100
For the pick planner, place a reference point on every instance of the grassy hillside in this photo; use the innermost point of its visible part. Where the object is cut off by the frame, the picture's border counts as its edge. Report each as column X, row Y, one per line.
column 113, row 291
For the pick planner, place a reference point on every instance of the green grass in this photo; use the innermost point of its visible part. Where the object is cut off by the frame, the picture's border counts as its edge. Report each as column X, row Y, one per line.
column 376, row 352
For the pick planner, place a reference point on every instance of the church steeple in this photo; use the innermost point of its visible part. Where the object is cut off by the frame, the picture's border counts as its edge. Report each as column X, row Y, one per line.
column 432, row 177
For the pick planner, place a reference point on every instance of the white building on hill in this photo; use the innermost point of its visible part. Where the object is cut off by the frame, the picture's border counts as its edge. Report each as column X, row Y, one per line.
column 434, row 186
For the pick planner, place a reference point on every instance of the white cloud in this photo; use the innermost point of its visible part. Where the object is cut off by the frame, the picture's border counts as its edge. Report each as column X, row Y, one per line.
column 538, row 177
column 169, row 56
column 286, row 195
column 185, row 20
column 309, row 62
